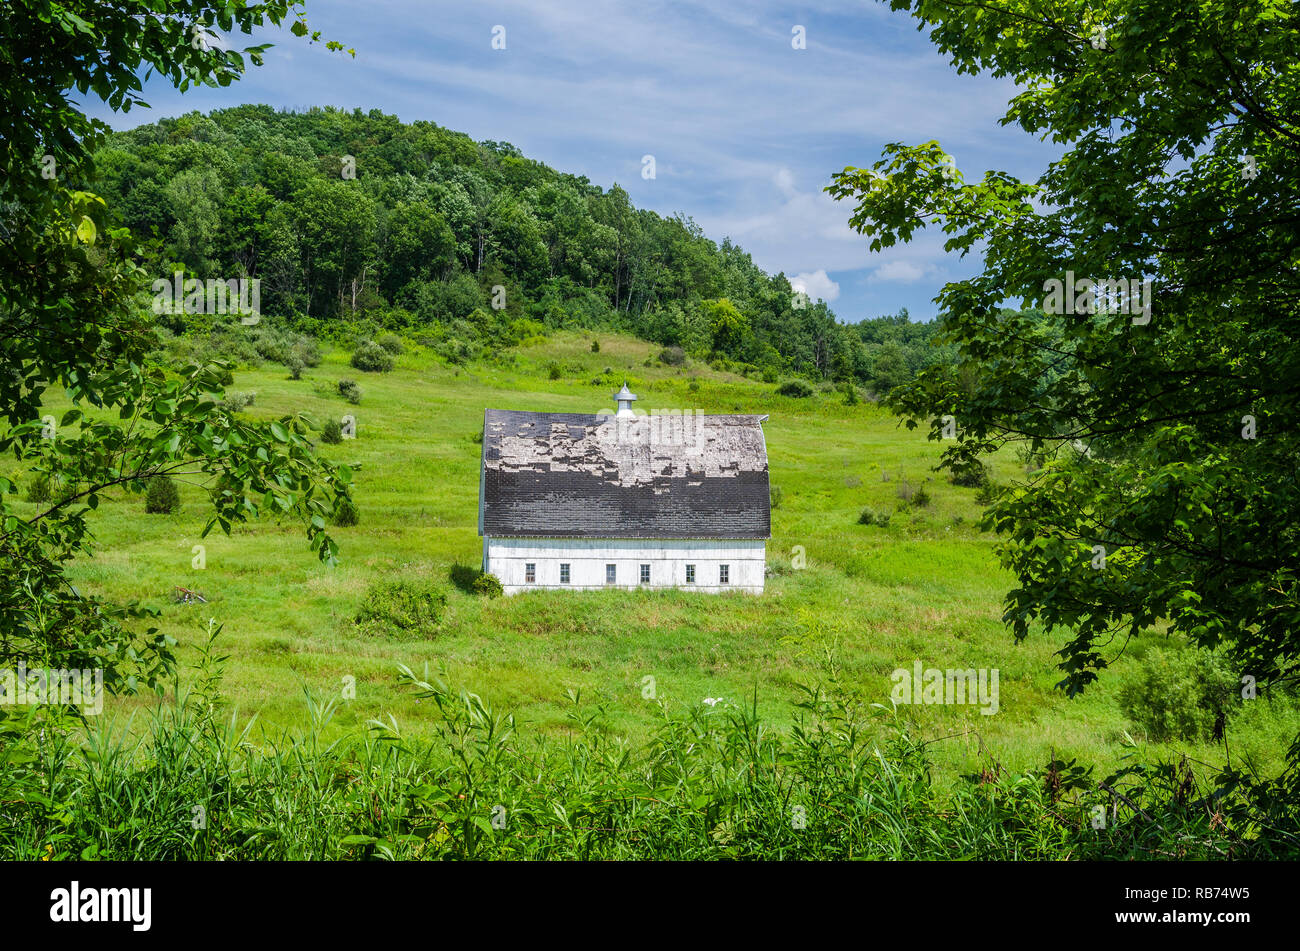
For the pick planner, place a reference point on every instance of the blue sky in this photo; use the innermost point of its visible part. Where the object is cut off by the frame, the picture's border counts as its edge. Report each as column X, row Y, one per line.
column 745, row 130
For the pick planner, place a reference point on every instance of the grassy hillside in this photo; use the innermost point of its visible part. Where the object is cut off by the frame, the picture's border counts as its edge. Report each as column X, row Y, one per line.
column 870, row 599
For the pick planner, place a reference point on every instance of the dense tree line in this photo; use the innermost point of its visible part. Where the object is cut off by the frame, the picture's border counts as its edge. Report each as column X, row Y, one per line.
column 347, row 216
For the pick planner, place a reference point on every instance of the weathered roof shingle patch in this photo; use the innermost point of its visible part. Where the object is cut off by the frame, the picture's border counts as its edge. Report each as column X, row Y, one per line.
column 575, row 475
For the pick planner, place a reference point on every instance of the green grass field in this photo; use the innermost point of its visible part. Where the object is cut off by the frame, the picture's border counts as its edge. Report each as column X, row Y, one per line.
column 868, row 600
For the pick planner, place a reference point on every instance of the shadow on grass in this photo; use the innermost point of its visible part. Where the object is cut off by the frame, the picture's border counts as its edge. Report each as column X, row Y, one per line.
column 464, row 576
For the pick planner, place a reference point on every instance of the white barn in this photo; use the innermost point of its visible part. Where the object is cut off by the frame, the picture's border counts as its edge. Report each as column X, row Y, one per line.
column 575, row 501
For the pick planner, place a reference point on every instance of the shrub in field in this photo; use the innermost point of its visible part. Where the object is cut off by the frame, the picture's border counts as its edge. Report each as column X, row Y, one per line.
column 970, row 475
column 402, row 605
column 870, row 516
column 331, row 432
column 38, row 490
column 307, row 350
column 672, row 356
column 921, row 498
column 391, row 343
column 162, row 497
column 349, row 390
column 1181, row 695
column 775, row 495
column 457, row 351
column 799, row 389
column 271, row 343
column 372, row 358
column 488, row 586
column 595, row 346
column 304, row 353
column 553, row 371
column 236, row 402
column 346, row 513
column 906, row 491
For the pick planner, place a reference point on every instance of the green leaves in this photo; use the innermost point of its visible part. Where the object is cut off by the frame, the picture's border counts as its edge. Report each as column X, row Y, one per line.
column 69, row 288
column 1169, row 445
column 86, row 230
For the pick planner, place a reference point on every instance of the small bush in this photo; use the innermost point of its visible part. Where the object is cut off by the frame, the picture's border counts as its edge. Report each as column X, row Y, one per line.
column 308, row 351
column 553, row 371
column 345, row 513
column 921, row 499
column 331, row 432
column 350, row 391
column 1180, row 695
column 775, row 495
column 988, row 493
column 870, row 516
column 402, row 606
column 391, row 343
column 905, row 491
column 236, row 402
column 372, row 358
column 595, row 346
column 672, row 356
column 296, row 365
column 488, row 586
column 799, row 389
column 970, row 475
column 39, row 489
column 162, row 497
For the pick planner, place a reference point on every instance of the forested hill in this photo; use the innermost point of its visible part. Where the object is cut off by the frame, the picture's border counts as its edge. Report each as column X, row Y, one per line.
column 351, row 216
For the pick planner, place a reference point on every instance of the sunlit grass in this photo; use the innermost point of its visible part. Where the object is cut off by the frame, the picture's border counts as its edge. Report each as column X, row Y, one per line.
column 927, row 587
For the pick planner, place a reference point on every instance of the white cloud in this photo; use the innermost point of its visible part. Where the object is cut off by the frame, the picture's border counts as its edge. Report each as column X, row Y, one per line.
column 817, row 285
column 905, row 271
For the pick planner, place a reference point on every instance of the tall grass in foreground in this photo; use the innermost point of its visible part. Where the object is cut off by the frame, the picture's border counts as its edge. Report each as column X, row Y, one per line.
column 846, row 782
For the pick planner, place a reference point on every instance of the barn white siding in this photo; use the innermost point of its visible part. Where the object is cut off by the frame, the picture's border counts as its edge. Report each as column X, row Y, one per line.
column 745, row 558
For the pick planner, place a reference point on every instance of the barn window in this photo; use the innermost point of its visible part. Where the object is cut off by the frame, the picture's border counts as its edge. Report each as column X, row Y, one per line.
column 690, row 574
column 611, row 574
column 530, row 573
column 645, row 574
column 724, row 574
column 564, row 573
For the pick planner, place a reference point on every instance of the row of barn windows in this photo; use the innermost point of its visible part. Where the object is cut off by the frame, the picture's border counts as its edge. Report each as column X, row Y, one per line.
column 611, row 573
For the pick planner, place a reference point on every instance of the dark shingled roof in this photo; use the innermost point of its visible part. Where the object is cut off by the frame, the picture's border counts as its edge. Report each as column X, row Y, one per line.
column 576, row 475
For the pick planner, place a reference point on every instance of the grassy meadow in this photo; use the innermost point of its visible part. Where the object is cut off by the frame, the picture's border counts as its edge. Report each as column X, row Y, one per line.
column 845, row 601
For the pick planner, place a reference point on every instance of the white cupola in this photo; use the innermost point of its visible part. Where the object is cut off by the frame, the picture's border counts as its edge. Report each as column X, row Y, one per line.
column 625, row 399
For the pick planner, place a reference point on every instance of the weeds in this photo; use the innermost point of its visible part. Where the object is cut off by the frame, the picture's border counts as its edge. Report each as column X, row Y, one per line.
column 711, row 782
